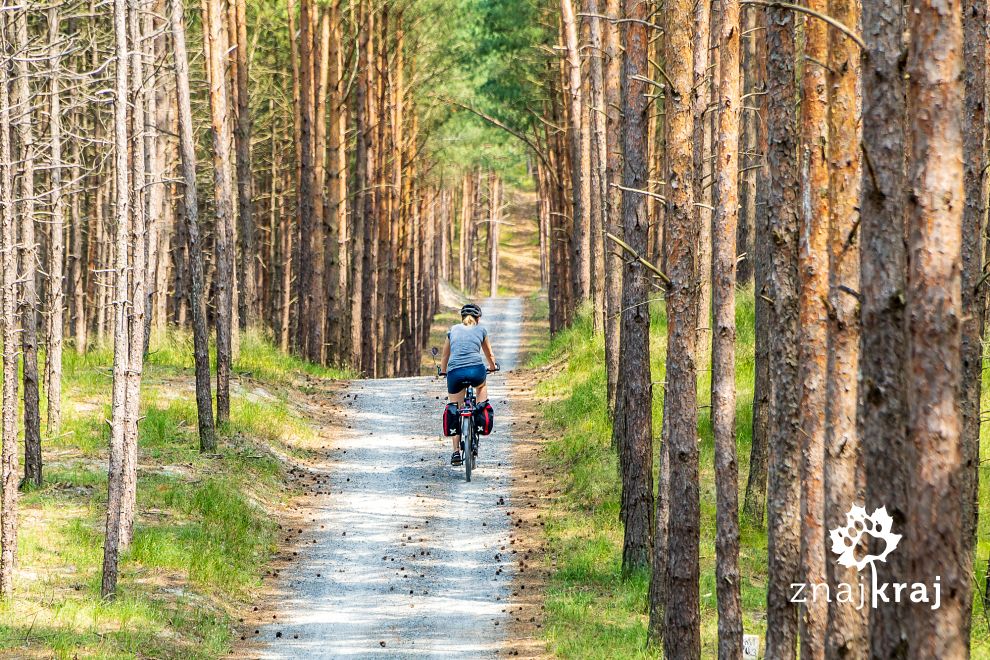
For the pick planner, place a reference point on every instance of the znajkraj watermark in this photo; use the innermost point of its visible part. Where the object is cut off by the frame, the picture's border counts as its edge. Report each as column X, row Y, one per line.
column 874, row 533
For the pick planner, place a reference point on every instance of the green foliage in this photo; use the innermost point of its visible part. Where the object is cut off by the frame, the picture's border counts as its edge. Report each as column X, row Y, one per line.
column 490, row 55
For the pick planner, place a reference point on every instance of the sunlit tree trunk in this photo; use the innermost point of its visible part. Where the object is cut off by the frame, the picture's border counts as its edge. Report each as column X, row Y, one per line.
column 723, row 279
column 598, row 153
column 701, row 143
column 580, row 154
column 9, row 475
column 613, row 198
column 682, row 631
column 935, row 527
column 121, row 343
column 137, row 294
column 56, row 242
column 846, row 627
column 813, row 322
column 317, row 306
column 215, row 47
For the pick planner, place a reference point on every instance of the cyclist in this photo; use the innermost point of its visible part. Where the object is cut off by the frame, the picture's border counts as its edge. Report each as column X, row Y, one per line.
column 463, row 363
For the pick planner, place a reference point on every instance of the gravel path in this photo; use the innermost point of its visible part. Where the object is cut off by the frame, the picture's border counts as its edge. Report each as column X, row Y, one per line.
column 409, row 560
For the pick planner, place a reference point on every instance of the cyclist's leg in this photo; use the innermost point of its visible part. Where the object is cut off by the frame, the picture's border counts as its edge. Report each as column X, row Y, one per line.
column 482, row 391
column 455, row 394
column 457, row 398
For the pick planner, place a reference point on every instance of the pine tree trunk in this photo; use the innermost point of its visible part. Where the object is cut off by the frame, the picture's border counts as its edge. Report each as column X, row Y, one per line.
column 723, row 278
column 305, row 193
column 580, row 145
column 846, row 628
column 197, row 294
column 701, row 142
column 613, row 198
column 8, row 299
column 467, row 211
column 882, row 410
column 682, row 633
column 78, row 259
column 247, row 281
column 137, row 295
column 784, row 497
column 369, row 264
column 360, row 219
column 215, row 47
column 633, row 429
column 24, row 131
column 935, row 526
column 156, row 128
column 494, row 223
column 748, row 158
column 121, row 345
column 755, row 502
column 657, row 594
column 813, row 322
column 974, row 292
column 56, row 256
column 596, row 167
column 317, row 306
column 335, row 253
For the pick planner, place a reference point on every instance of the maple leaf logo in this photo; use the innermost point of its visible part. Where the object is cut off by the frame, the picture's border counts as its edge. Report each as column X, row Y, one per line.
column 862, row 529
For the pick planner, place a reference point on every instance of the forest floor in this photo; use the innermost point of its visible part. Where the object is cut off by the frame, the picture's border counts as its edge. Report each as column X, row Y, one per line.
column 206, row 527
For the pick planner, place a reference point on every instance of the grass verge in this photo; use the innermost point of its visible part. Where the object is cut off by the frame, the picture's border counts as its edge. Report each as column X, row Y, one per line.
column 206, row 525
column 592, row 612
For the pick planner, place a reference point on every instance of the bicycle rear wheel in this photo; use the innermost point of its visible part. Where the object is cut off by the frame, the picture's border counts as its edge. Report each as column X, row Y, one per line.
column 467, row 440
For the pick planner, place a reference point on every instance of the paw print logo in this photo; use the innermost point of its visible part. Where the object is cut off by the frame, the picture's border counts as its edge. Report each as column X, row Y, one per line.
column 862, row 529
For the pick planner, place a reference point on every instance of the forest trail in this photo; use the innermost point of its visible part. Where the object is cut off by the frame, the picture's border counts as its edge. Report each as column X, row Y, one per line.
column 405, row 558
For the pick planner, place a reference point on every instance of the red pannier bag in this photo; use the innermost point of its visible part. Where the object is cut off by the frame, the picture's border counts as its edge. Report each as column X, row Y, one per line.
column 451, row 420
column 484, row 418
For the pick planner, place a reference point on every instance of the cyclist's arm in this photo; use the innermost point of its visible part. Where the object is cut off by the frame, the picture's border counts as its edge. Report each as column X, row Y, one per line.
column 446, row 355
column 486, row 346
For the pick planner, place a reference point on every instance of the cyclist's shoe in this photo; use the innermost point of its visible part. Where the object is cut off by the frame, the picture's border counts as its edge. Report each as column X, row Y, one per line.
column 455, row 458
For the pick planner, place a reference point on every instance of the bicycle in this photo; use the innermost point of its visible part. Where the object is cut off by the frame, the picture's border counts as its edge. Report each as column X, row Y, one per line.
column 469, row 431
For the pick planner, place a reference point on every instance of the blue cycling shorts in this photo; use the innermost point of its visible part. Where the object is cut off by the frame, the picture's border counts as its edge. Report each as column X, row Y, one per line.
column 459, row 378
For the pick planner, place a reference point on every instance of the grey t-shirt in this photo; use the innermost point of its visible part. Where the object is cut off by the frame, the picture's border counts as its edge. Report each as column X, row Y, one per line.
column 465, row 345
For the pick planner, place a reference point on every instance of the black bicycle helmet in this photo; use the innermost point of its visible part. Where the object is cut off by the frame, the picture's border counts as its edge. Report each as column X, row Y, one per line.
column 471, row 310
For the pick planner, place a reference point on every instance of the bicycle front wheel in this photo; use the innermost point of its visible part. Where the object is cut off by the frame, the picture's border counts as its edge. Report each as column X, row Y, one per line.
column 467, row 441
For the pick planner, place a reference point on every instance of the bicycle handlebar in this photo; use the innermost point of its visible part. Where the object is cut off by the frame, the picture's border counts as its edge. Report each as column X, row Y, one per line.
column 491, row 371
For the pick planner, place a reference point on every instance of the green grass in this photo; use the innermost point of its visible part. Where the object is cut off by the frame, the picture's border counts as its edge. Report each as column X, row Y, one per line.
column 592, row 612
column 258, row 358
column 205, row 529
